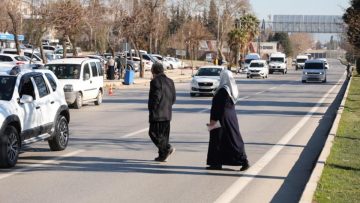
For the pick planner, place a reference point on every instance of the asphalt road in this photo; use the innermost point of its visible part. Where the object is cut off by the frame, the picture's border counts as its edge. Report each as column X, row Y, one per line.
column 110, row 156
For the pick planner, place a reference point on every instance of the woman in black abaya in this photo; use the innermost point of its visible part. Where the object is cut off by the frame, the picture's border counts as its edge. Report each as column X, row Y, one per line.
column 226, row 146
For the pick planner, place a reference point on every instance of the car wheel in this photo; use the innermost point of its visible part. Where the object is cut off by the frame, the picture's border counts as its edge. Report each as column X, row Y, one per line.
column 270, row 72
column 192, row 94
column 247, row 76
column 324, row 81
column 9, row 147
column 79, row 101
column 99, row 98
column 60, row 137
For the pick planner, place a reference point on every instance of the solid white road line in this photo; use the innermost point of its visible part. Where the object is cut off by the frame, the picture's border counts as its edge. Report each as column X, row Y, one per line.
column 135, row 133
column 41, row 164
column 231, row 193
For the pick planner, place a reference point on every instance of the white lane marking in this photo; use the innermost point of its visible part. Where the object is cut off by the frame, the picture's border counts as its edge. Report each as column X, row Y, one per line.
column 231, row 192
column 135, row 133
column 41, row 164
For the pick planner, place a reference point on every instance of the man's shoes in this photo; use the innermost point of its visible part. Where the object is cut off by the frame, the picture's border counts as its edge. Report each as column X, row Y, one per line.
column 165, row 158
column 245, row 166
column 160, row 159
column 214, row 167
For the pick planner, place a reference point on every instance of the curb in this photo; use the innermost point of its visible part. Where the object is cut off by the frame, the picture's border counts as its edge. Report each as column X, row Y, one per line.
column 311, row 185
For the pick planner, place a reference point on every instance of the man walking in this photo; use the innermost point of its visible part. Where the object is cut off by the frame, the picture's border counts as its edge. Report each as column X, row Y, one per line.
column 162, row 96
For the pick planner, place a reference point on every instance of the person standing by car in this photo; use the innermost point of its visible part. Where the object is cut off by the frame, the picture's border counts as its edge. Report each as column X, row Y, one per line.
column 162, row 96
column 111, row 68
column 226, row 146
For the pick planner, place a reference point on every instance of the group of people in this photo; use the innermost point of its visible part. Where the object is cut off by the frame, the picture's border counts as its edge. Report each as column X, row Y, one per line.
column 115, row 67
column 226, row 146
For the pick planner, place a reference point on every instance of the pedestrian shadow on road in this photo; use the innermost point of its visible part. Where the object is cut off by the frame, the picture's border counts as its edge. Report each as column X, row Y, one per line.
column 118, row 165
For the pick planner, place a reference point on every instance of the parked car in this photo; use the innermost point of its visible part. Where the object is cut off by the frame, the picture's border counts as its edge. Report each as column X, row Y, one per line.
column 162, row 60
column 33, row 55
column 32, row 108
column 258, row 68
column 16, row 60
column 174, row 62
column 314, row 70
column 206, row 80
column 69, row 52
column 81, row 78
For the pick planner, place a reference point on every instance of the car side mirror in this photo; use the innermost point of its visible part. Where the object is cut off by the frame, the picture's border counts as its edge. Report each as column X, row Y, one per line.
column 87, row 76
column 26, row 99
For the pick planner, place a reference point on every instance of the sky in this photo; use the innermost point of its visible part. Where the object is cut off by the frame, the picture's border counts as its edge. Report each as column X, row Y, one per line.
column 264, row 8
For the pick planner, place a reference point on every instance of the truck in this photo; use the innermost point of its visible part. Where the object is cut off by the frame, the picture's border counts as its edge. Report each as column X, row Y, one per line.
column 277, row 63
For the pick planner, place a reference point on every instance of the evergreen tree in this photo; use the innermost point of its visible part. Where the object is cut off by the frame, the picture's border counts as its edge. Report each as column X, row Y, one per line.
column 212, row 24
column 284, row 41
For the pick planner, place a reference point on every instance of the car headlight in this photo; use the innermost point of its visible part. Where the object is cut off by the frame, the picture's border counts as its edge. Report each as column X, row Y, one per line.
column 305, row 73
column 194, row 83
column 68, row 88
column 321, row 73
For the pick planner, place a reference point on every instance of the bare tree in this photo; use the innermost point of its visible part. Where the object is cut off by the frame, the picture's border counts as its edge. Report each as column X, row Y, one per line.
column 13, row 8
column 68, row 19
column 301, row 42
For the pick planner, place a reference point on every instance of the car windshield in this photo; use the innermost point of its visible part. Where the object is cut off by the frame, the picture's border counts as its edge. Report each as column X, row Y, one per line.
column 314, row 66
column 65, row 71
column 301, row 60
column 257, row 65
column 248, row 60
column 209, row 72
column 21, row 58
column 7, row 84
column 276, row 59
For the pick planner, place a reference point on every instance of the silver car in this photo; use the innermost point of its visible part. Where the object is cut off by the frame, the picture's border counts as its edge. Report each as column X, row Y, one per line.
column 206, row 80
column 314, row 70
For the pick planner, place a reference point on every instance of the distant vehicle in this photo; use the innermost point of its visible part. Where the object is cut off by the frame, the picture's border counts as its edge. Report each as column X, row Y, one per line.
column 69, row 52
column 34, row 55
column 49, row 48
column 300, row 61
column 314, row 70
column 209, row 57
column 81, row 78
column 32, row 108
column 258, row 68
column 248, row 59
column 277, row 63
column 206, row 80
column 326, row 63
column 16, row 60
column 162, row 60
column 174, row 63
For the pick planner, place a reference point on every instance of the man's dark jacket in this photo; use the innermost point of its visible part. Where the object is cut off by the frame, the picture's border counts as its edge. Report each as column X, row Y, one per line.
column 161, row 98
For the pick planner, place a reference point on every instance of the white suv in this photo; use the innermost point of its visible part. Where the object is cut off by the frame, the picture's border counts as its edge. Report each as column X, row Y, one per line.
column 32, row 108
column 81, row 78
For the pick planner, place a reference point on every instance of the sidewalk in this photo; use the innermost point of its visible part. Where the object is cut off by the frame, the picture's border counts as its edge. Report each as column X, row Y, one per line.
column 178, row 75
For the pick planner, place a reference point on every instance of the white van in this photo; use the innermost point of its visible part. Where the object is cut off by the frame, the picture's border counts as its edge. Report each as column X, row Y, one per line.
column 82, row 79
column 277, row 63
column 300, row 61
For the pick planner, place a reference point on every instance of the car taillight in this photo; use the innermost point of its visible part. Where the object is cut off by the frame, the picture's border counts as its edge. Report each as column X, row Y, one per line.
column 20, row 63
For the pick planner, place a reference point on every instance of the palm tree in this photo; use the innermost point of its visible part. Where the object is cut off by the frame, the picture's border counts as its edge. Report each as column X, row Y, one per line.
column 237, row 38
column 250, row 24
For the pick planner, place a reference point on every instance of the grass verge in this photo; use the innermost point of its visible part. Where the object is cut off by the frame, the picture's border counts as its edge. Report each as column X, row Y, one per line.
column 340, row 180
